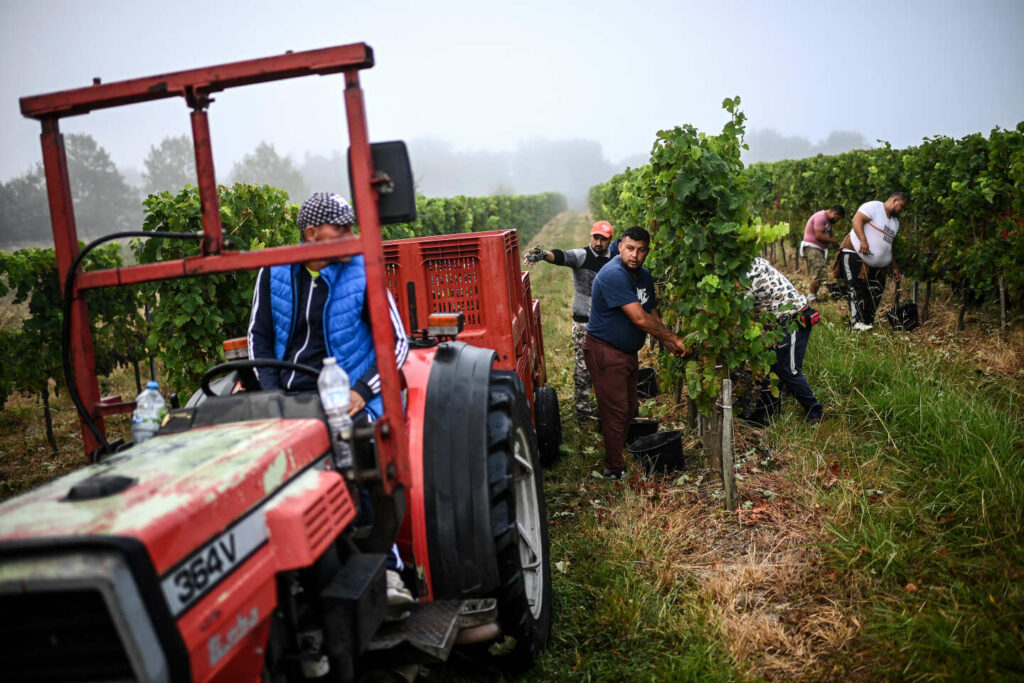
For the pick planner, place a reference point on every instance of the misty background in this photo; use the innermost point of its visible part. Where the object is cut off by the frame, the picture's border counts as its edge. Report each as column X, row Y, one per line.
column 492, row 98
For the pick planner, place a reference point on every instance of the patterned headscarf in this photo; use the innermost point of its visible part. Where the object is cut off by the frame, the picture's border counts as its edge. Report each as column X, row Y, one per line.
column 325, row 207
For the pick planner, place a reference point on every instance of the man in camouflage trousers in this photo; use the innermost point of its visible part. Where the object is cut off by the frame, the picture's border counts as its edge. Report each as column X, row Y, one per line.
column 585, row 263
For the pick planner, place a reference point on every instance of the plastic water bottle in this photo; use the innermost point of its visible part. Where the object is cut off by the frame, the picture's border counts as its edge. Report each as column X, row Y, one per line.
column 334, row 390
column 150, row 409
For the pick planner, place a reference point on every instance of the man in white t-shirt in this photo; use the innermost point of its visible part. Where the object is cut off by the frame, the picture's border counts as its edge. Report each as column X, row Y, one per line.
column 866, row 256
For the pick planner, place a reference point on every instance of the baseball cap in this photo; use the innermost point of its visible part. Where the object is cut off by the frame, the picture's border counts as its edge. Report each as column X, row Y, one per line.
column 603, row 228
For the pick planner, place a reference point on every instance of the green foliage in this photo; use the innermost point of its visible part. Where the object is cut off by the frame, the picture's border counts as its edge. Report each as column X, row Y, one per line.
column 24, row 212
column 32, row 352
column 695, row 196
column 192, row 316
column 453, row 215
column 965, row 221
column 603, row 200
column 31, row 274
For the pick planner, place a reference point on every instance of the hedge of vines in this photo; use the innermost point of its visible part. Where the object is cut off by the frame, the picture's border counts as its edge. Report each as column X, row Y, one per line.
column 449, row 215
column 695, row 199
column 189, row 318
column 31, row 351
column 965, row 221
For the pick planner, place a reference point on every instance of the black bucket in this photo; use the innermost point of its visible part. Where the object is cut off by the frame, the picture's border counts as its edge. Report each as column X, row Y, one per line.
column 661, row 452
column 904, row 318
column 647, row 383
column 640, row 427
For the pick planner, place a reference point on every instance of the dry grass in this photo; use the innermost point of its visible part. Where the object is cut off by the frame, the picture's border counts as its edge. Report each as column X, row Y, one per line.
column 778, row 609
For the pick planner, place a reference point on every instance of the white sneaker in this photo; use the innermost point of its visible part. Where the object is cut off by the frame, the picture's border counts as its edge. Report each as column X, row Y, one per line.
column 862, row 326
column 398, row 594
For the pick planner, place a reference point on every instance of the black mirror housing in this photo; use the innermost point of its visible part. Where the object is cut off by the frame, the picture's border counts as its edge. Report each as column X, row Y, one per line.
column 396, row 197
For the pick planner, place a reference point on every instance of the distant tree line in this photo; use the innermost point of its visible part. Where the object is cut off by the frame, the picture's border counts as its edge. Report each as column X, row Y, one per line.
column 105, row 202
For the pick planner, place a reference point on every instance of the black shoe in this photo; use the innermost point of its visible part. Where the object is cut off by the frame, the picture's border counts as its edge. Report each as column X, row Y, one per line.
column 817, row 419
column 615, row 474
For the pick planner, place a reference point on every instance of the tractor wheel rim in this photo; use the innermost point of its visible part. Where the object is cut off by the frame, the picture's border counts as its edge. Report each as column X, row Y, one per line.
column 528, row 524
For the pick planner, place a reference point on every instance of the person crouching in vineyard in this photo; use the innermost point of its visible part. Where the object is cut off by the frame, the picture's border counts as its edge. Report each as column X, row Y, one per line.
column 818, row 237
column 623, row 312
column 866, row 256
column 585, row 263
column 773, row 293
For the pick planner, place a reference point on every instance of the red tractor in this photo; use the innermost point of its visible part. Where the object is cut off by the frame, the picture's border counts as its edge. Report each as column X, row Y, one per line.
column 226, row 548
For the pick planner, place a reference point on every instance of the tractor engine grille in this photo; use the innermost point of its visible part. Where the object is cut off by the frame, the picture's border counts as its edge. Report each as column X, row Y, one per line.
column 60, row 636
column 75, row 615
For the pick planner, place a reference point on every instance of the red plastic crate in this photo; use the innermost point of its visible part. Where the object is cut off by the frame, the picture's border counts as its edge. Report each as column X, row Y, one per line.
column 478, row 274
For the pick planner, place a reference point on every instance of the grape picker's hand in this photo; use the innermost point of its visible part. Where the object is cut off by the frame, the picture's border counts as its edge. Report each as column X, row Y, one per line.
column 535, row 255
column 864, row 248
column 677, row 347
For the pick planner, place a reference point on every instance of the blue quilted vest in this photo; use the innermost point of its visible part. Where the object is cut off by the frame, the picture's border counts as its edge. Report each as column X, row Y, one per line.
column 348, row 337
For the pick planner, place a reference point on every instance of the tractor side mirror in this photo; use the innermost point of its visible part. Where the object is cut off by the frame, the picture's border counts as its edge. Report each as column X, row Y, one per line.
column 396, row 195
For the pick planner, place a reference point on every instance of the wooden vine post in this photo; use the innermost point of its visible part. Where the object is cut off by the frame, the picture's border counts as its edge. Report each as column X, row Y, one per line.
column 728, row 471
column 927, row 300
column 1002, row 304
column 713, row 441
column 961, row 310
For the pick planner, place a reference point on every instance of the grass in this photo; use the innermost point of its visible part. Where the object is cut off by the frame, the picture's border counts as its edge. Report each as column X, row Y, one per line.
column 884, row 544
column 927, row 518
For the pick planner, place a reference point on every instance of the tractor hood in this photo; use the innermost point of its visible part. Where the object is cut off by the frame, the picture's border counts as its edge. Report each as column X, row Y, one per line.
column 173, row 491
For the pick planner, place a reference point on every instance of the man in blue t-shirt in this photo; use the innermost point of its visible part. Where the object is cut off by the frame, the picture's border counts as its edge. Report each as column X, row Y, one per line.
column 623, row 311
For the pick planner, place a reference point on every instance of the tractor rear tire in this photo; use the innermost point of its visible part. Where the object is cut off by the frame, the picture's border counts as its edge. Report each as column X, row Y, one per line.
column 549, row 425
column 520, row 530
column 484, row 512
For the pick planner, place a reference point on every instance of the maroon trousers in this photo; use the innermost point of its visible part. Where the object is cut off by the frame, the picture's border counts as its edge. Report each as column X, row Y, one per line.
column 614, row 374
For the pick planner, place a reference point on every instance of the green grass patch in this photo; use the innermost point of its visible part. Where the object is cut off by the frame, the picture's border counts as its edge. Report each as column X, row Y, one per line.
column 928, row 500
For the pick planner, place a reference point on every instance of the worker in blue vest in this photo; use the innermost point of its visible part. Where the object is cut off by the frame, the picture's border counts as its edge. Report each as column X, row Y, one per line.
column 305, row 312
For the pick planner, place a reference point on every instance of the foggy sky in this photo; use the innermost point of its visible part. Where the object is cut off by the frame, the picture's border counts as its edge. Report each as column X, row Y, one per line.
column 488, row 80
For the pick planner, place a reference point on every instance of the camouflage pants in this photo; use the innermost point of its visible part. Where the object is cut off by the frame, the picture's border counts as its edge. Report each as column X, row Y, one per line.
column 581, row 376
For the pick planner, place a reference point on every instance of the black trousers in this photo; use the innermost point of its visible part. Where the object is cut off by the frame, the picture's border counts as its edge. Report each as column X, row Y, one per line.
column 865, row 294
column 789, row 367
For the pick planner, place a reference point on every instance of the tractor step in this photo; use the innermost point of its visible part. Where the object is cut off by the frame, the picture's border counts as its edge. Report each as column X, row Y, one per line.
column 432, row 627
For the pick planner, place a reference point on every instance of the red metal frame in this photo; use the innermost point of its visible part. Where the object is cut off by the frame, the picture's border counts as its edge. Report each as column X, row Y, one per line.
column 196, row 86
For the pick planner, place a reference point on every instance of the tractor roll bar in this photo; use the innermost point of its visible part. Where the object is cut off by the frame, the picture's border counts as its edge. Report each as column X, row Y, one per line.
column 211, row 79
column 195, row 86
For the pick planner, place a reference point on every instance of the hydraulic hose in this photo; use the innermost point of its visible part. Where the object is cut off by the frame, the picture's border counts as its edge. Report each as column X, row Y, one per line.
column 65, row 337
